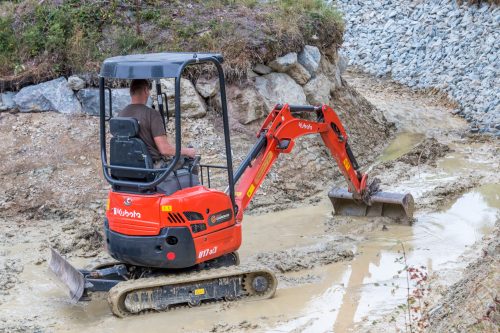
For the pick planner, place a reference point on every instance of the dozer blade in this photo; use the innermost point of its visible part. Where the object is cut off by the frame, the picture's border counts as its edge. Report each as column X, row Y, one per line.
column 393, row 205
column 69, row 275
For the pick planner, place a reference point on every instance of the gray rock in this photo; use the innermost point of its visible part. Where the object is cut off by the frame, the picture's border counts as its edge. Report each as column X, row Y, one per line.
column 52, row 95
column 429, row 45
column 120, row 99
column 251, row 74
column 90, row 100
column 342, row 63
column 279, row 88
column 207, row 87
column 310, row 58
column 76, row 83
column 245, row 105
column 282, row 64
column 262, row 69
column 299, row 73
column 7, row 101
column 318, row 90
column 192, row 105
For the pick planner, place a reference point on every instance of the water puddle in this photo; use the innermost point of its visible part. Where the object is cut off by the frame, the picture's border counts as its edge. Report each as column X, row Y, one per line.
column 402, row 144
column 374, row 283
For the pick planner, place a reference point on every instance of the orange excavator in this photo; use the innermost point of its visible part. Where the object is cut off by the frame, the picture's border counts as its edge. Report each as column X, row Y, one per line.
column 179, row 247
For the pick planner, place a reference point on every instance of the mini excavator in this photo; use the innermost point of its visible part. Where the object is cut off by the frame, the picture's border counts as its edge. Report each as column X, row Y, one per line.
column 180, row 249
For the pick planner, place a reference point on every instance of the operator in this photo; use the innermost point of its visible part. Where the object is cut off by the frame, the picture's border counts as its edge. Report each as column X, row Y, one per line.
column 152, row 132
column 151, row 129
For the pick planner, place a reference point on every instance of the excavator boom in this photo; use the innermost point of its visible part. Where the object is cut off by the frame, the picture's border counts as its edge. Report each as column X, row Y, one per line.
column 277, row 136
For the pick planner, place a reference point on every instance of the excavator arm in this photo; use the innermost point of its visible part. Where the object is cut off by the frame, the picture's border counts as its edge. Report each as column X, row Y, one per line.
column 277, row 136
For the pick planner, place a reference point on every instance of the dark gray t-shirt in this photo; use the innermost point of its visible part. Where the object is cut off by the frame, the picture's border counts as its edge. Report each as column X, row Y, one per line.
column 150, row 125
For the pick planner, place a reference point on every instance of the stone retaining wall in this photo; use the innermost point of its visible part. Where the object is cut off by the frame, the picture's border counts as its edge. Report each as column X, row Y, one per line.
column 431, row 44
column 304, row 78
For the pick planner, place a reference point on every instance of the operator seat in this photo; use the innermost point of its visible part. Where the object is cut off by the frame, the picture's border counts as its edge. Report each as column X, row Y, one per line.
column 128, row 150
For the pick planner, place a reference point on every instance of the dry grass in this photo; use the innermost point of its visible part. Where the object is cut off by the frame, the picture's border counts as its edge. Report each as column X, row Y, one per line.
column 76, row 36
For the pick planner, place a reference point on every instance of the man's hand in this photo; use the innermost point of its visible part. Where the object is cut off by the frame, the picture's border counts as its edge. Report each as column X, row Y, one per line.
column 167, row 149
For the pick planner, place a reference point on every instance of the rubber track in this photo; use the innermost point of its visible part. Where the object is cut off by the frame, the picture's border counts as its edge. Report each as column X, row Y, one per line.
column 117, row 294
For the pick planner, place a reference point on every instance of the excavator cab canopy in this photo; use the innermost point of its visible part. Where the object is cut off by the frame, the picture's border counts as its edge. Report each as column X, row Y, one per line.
column 156, row 66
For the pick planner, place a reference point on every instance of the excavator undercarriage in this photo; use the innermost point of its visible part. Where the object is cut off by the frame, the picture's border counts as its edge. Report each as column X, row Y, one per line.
column 134, row 290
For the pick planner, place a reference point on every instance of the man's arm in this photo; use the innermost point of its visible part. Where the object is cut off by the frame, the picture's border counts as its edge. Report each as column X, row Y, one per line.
column 167, row 149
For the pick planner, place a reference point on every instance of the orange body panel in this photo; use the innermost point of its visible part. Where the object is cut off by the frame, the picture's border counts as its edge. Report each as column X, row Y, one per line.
column 134, row 214
column 146, row 215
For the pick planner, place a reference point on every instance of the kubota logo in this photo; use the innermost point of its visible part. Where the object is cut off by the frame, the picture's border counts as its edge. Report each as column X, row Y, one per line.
column 127, row 202
column 125, row 213
column 305, row 126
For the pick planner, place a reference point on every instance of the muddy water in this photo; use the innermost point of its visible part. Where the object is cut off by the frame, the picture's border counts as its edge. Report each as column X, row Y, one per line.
column 341, row 297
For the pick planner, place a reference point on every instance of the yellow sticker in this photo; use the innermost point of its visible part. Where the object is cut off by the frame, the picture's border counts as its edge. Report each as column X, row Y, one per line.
column 166, row 208
column 107, row 204
column 250, row 190
column 200, row 291
column 238, row 194
column 263, row 167
column 347, row 165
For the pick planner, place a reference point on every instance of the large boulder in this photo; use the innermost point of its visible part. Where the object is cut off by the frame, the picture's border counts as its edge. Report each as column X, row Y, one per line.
column 90, row 100
column 192, row 105
column 282, row 64
column 246, row 104
column 7, row 101
column 299, row 73
column 76, row 83
column 279, row 88
column 52, row 95
column 332, row 72
column 262, row 69
column 310, row 58
column 342, row 63
column 290, row 65
column 120, row 99
column 207, row 87
column 318, row 90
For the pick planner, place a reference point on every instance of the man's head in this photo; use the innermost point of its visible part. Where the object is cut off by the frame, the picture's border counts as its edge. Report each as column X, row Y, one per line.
column 139, row 91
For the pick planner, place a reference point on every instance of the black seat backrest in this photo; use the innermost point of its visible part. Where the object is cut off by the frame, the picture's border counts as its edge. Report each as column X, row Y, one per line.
column 127, row 149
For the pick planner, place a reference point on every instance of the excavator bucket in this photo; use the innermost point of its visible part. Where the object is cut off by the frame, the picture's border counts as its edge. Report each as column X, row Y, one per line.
column 69, row 275
column 393, row 205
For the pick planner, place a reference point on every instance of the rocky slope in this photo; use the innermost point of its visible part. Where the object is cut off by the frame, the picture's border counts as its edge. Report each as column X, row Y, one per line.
column 431, row 45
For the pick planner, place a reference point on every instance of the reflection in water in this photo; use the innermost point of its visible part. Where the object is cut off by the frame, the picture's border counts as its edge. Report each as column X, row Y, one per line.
column 436, row 241
column 374, row 283
column 402, row 144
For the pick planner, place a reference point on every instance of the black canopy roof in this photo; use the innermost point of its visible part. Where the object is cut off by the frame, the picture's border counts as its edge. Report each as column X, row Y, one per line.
column 150, row 66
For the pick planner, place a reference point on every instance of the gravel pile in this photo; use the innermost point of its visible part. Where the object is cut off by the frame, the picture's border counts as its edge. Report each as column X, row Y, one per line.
column 431, row 44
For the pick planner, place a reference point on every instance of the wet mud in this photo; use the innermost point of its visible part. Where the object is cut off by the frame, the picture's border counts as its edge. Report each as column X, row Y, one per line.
column 336, row 274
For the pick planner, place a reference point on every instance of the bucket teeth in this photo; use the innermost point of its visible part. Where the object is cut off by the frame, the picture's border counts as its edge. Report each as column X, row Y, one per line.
column 393, row 205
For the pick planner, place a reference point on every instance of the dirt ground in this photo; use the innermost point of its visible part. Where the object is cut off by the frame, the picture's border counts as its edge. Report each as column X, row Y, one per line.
column 335, row 274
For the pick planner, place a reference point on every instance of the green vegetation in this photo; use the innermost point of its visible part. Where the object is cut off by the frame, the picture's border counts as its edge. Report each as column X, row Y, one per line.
column 76, row 36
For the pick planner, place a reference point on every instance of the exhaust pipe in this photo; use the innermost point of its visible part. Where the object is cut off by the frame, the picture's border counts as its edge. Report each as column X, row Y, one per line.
column 393, row 205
